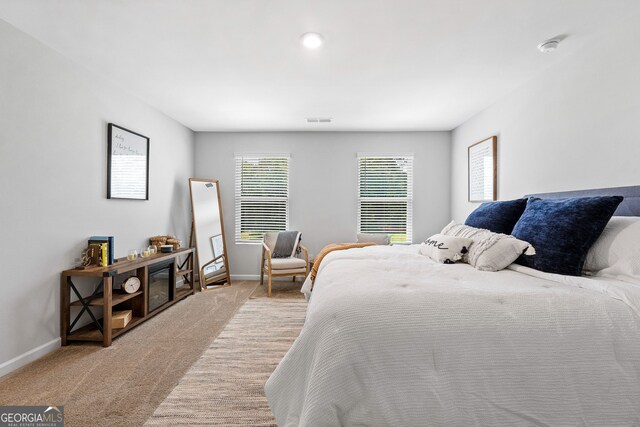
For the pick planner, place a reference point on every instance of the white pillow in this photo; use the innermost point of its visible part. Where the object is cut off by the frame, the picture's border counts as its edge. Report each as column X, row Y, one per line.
column 445, row 249
column 489, row 251
column 617, row 250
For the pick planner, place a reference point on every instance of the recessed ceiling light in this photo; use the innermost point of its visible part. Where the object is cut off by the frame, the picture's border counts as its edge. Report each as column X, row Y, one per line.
column 311, row 40
column 548, row 45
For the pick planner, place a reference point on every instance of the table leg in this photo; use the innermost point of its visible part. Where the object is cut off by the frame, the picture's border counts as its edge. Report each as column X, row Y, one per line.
column 106, row 311
column 65, row 315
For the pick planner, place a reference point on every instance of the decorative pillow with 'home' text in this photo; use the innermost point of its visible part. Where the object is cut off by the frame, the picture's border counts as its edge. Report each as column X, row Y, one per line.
column 445, row 249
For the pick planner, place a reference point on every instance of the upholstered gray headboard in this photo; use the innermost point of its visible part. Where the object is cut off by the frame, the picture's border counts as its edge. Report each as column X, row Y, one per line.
column 630, row 206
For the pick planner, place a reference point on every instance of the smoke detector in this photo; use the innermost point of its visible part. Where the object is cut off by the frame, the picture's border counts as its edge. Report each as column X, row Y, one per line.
column 548, row 45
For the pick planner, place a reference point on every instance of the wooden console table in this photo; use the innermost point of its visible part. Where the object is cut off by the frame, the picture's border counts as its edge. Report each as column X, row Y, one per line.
column 106, row 298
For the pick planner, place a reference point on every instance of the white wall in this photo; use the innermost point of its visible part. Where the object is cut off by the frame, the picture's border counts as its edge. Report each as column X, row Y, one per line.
column 576, row 126
column 53, row 123
column 323, row 181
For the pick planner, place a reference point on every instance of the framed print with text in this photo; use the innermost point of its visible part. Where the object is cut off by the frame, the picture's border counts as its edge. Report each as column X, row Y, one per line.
column 127, row 164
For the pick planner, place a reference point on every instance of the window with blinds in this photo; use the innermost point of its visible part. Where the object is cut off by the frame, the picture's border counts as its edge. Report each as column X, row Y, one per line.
column 385, row 195
column 262, row 195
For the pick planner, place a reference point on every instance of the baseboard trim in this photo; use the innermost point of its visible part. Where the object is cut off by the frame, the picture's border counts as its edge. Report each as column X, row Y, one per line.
column 28, row 357
column 257, row 277
column 245, row 277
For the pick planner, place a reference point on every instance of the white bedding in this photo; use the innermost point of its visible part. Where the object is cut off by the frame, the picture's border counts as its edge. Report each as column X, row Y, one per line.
column 393, row 339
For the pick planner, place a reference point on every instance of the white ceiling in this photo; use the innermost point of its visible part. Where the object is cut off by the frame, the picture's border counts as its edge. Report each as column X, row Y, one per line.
column 385, row 65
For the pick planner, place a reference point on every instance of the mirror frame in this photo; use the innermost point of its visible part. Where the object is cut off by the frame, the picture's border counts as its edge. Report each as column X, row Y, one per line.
column 201, row 277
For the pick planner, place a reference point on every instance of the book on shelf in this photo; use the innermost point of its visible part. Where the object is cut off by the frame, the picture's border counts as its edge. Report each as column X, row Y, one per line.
column 97, row 254
column 104, row 261
column 110, row 247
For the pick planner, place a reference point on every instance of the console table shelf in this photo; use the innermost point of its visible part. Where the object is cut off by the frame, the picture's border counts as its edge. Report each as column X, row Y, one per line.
column 90, row 333
column 168, row 265
column 116, row 298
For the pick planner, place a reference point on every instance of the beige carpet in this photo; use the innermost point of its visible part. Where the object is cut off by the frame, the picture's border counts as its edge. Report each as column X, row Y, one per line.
column 225, row 387
column 122, row 385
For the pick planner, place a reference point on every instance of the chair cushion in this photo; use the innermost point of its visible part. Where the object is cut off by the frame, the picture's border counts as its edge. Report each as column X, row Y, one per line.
column 270, row 238
column 296, row 271
column 290, row 263
column 378, row 239
column 288, row 246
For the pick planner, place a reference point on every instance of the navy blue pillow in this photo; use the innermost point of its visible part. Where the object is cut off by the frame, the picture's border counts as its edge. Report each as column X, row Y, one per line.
column 562, row 231
column 499, row 217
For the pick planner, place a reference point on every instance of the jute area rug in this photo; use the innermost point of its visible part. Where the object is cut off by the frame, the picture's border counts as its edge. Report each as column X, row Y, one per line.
column 226, row 385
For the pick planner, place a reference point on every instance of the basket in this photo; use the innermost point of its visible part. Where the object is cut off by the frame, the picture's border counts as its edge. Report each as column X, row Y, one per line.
column 165, row 240
column 175, row 243
column 157, row 241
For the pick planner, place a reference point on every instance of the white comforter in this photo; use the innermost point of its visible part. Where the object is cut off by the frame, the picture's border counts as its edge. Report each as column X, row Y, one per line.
column 393, row 339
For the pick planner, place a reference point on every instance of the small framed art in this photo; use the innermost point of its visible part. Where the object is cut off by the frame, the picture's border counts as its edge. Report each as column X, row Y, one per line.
column 482, row 170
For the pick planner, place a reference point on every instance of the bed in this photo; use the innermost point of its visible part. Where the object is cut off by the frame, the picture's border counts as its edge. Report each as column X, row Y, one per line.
column 392, row 338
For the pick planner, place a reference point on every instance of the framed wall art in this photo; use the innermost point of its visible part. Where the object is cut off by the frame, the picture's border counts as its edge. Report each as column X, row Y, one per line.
column 482, row 170
column 127, row 164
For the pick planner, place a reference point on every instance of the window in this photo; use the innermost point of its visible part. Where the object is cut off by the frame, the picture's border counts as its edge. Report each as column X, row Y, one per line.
column 262, row 195
column 385, row 195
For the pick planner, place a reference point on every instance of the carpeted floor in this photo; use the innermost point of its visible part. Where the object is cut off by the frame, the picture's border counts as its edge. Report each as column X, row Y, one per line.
column 122, row 385
column 225, row 387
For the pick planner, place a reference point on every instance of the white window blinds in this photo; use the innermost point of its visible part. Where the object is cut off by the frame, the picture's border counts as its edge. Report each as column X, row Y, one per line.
column 385, row 195
column 262, row 195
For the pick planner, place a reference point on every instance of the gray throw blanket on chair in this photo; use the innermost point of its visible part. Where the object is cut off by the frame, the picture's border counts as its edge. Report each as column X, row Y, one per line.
column 286, row 243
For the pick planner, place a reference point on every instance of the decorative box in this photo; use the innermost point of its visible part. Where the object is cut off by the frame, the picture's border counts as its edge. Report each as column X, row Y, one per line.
column 120, row 319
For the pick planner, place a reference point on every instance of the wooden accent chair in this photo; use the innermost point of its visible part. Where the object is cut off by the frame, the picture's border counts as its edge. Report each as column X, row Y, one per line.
column 281, row 267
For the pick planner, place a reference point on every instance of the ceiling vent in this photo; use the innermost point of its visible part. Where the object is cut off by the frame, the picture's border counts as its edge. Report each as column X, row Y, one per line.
column 318, row 119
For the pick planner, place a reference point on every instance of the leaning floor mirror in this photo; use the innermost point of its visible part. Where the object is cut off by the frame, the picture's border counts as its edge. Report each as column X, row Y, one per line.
column 208, row 230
